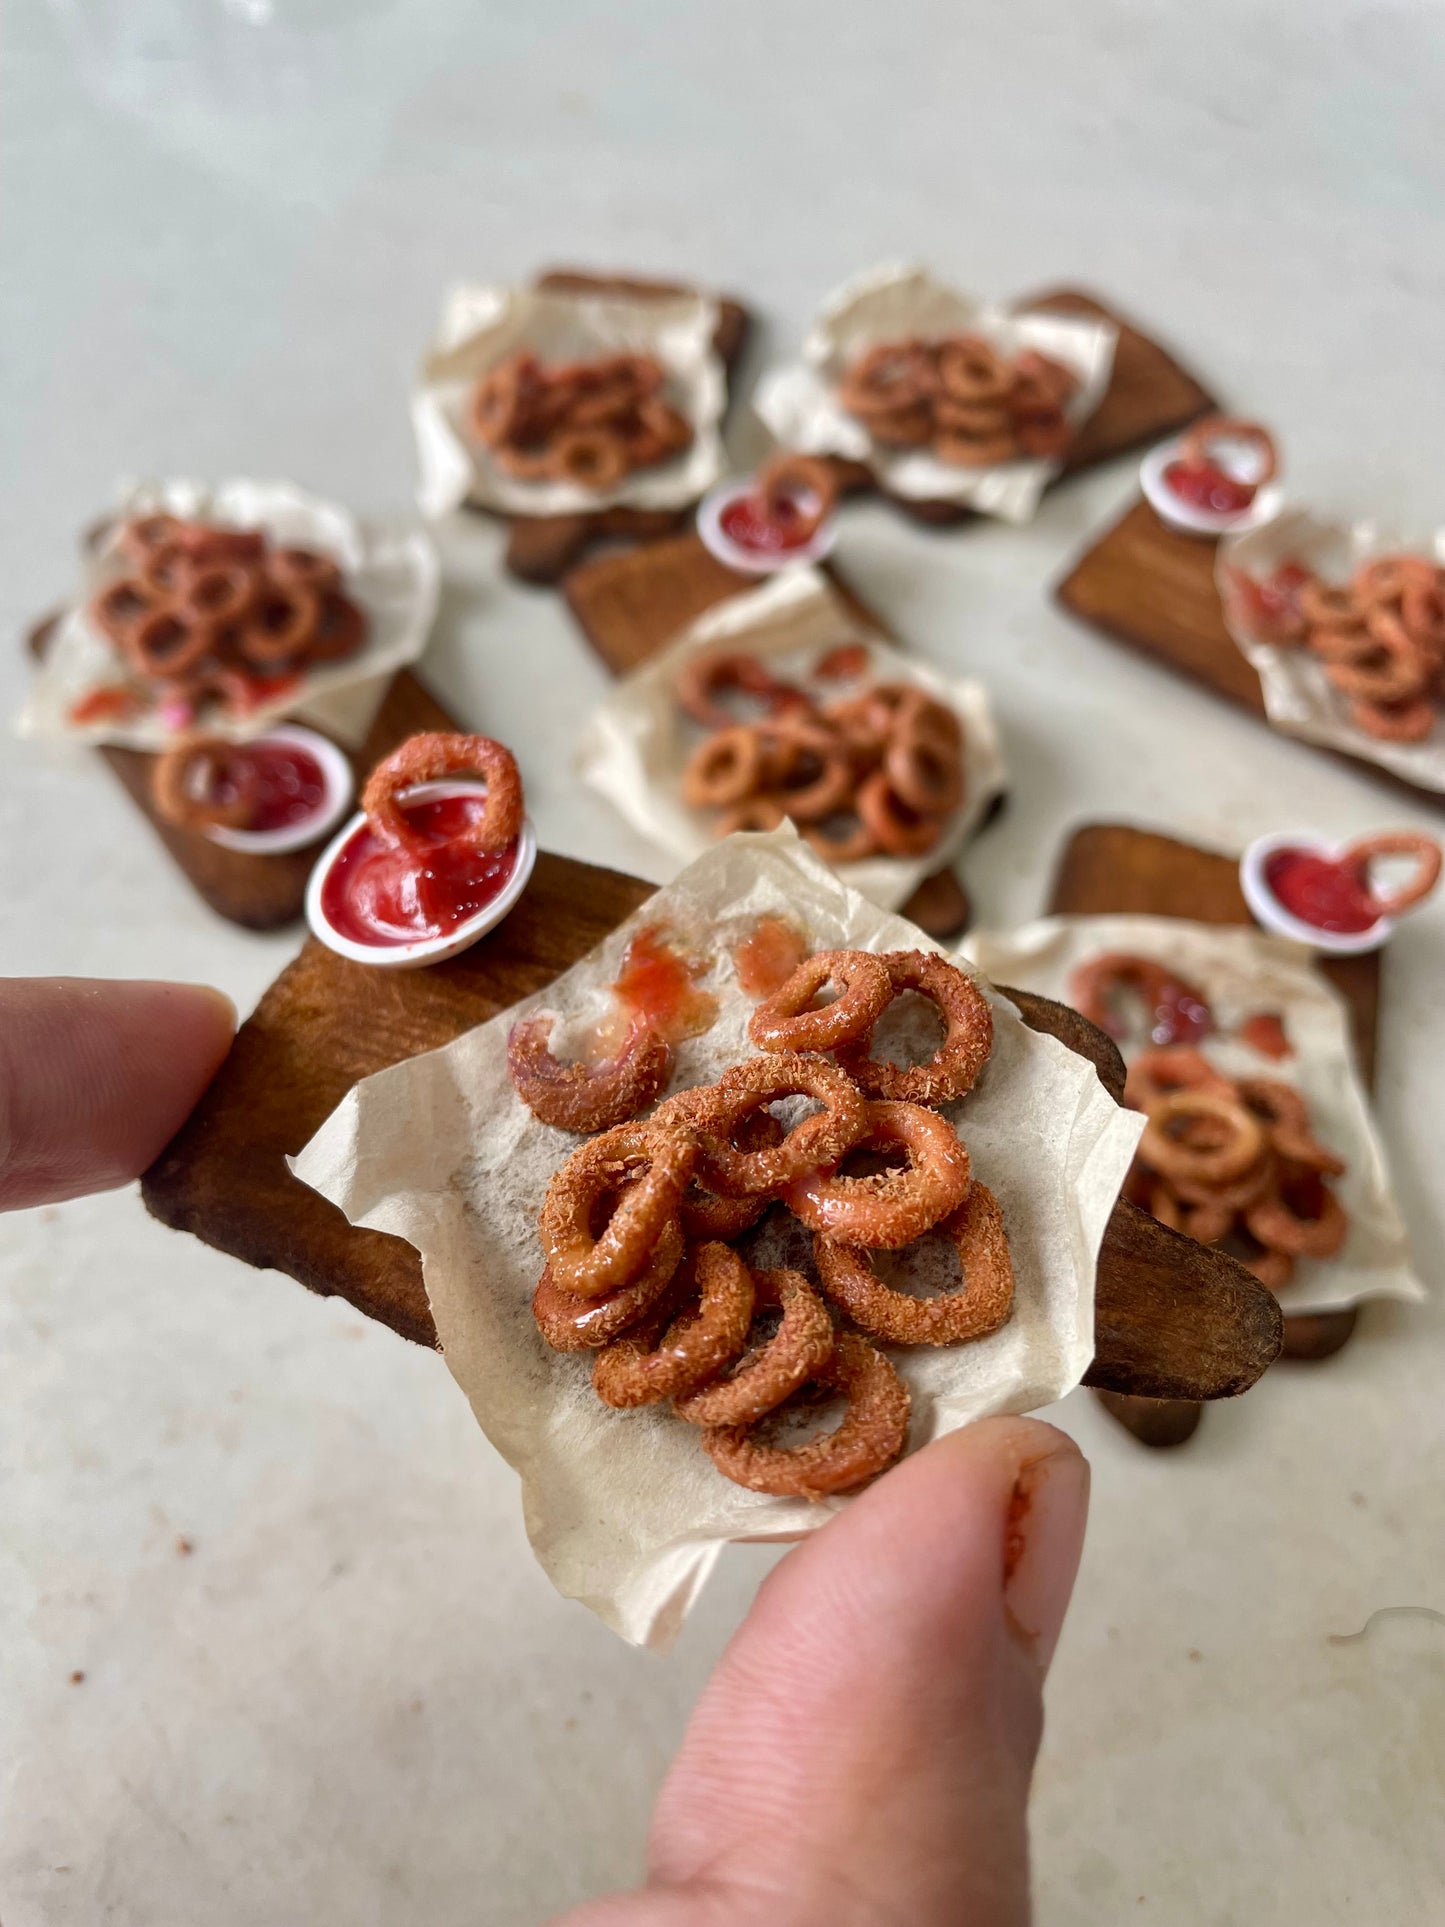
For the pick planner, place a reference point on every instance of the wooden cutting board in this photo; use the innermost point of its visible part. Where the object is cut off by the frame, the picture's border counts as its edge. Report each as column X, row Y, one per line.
column 1113, row 869
column 1173, row 1318
column 631, row 605
column 1146, row 585
column 1149, row 396
column 261, row 892
column 541, row 548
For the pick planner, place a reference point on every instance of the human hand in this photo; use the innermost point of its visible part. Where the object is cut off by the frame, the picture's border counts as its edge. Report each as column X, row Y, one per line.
column 861, row 1756
column 96, row 1078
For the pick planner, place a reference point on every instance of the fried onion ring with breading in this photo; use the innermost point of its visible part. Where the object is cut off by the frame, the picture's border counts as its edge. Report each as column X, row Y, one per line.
column 571, row 1323
column 658, row 1160
column 586, row 1097
column 872, row 1435
column 429, row 758
column 758, row 1382
column 888, row 1208
column 980, row 1305
column 791, row 1020
column 680, row 1346
column 819, row 1140
column 954, row 1067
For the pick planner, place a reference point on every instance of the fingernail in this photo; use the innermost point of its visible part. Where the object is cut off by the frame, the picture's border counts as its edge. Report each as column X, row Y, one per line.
column 1043, row 1538
column 220, row 999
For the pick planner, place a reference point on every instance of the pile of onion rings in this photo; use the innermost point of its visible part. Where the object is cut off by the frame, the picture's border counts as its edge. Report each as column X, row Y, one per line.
column 878, row 771
column 1380, row 635
column 961, row 399
column 207, row 615
column 1232, row 1161
column 648, row 1228
column 588, row 422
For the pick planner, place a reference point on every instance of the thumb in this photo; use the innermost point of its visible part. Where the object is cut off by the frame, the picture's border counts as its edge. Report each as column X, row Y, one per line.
column 96, row 1078
column 862, row 1753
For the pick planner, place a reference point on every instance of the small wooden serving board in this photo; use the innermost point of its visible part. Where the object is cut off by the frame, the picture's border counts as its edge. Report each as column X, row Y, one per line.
column 1113, row 869
column 631, row 605
column 261, row 892
column 1146, row 585
column 1149, row 396
column 541, row 548
column 1173, row 1319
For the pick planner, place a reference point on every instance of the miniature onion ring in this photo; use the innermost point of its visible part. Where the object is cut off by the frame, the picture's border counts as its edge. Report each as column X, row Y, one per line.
column 894, row 1207
column 427, row 759
column 872, row 1435
column 968, row 1038
column 981, row 1304
column 660, row 1159
column 677, row 1348
column 759, row 1381
column 586, row 1097
column 789, row 1019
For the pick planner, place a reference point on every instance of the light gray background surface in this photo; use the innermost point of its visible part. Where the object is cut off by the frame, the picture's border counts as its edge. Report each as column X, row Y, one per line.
column 227, row 228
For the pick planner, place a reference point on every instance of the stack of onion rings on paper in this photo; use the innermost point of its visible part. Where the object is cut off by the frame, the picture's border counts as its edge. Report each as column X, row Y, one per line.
column 647, row 1227
column 1233, row 1161
column 962, row 399
column 203, row 614
column 587, row 422
column 1380, row 635
column 877, row 771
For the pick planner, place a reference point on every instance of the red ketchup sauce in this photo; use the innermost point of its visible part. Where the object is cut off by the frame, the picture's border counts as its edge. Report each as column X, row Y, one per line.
column 1265, row 1032
column 110, row 704
column 379, row 894
column 658, row 983
column 1321, row 892
column 285, row 784
column 1204, row 485
column 768, row 956
column 745, row 523
column 1180, row 1016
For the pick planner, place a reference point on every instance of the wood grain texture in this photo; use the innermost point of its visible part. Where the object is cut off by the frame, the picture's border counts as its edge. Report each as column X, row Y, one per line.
column 541, row 548
column 631, row 606
column 1171, row 1318
column 1145, row 585
column 1114, row 869
column 260, row 892
column 1150, row 395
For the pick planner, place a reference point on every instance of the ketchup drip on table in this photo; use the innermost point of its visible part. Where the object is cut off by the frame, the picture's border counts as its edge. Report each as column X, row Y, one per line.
column 1264, row 1032
column 284, row 783
column 747, row 523
column 1322, row 892
column 378, row 893
column 766, row 958
column 1205, row 485
column 658, row 983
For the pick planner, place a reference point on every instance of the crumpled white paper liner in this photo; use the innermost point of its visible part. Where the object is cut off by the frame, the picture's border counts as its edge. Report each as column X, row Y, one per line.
column 392, row 573
column 636, row 745
column 799, row 403
column 481, row 326
column 1241, row 972
column 624, row 1510
column 1298, row 696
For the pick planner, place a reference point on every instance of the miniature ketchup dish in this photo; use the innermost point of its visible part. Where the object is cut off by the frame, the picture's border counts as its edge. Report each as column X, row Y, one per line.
column 268, row 795
column 782, row 516
column 426, row 867
column 1215, row 479
column 1322, row 894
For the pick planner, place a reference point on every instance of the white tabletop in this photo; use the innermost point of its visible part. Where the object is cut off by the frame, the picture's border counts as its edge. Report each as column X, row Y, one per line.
column 355, row 1699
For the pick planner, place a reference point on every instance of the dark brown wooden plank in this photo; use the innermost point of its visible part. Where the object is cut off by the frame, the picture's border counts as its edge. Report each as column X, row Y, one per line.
column 541, row 548
column 325, row 1024
column 260, row 892
column 631, row 606
column 1114, row 869
column 1145, row 585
